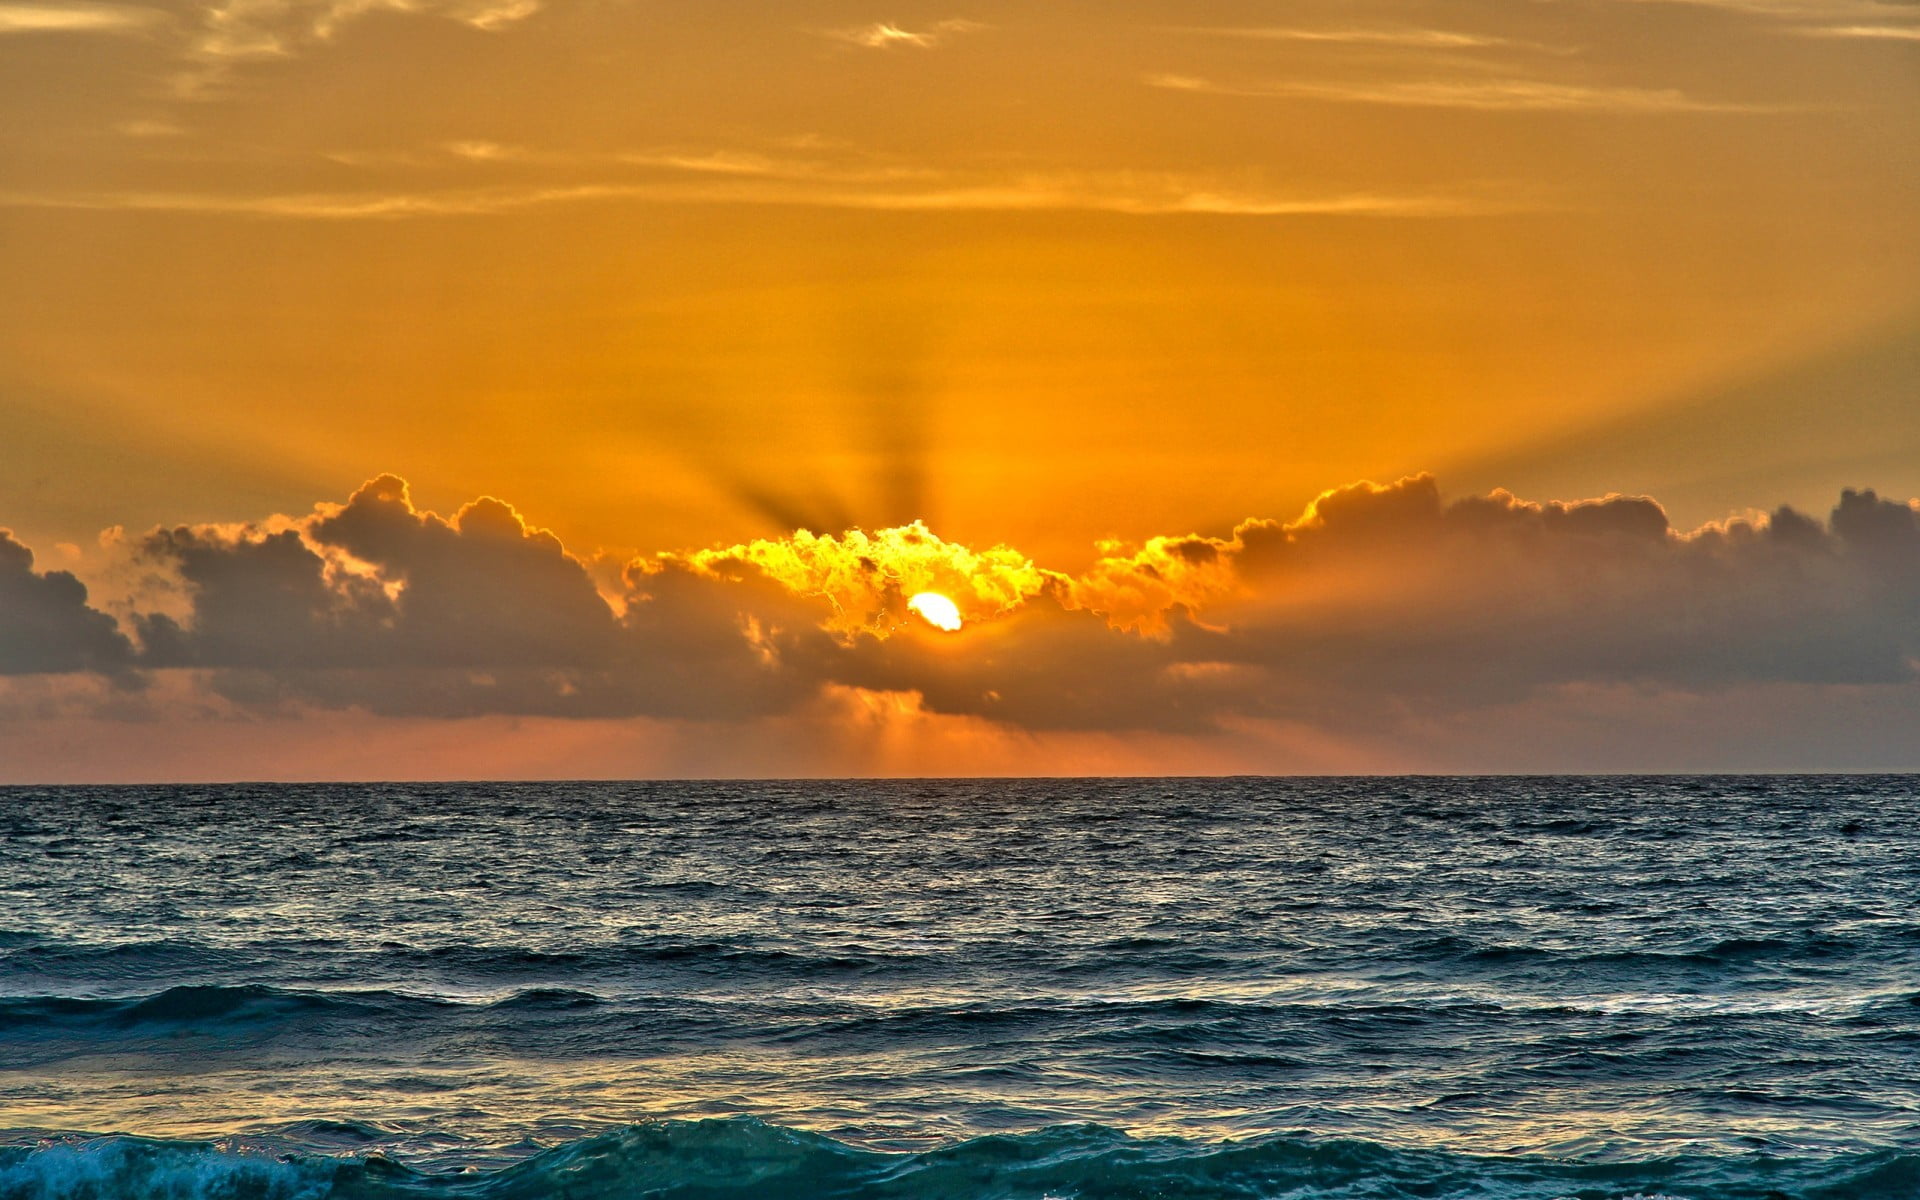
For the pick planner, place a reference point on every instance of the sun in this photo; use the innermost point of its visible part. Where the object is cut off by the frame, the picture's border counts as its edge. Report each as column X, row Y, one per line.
column 936, row 610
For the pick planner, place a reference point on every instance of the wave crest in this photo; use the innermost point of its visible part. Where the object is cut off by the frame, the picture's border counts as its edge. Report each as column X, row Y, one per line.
column 743, row 1157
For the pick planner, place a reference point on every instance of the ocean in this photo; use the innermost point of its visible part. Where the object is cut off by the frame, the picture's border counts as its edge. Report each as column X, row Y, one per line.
column 1597, row 987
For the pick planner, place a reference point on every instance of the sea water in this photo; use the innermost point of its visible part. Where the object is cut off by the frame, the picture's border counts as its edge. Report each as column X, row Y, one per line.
column 1525, row 987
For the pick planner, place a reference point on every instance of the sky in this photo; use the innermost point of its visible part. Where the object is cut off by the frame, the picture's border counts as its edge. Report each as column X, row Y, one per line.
column 585, row 388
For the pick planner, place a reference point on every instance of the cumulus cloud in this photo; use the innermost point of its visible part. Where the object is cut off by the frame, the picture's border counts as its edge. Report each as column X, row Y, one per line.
column 379, row 605
column 867, row 578
column 1379, row 603
column 1385, row 600
column 46, row 624
column 1391, row 592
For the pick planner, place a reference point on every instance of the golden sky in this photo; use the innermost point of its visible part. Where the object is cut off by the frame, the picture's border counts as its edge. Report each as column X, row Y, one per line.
column 1054, row 278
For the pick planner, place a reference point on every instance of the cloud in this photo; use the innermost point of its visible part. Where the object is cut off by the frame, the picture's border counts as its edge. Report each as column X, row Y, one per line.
column 867, row 578
column 1892, row 33
column 1497, row 95
column 1383, row 598
column 497, row 15
column 46, row 625
column 844, row 179
column 232, row 33
column 1817, row 9
column 1380, row 608
column 1143, row 194
column 248, row 29
column 378, row 605
column 1867, row 20
column 1424, row 39
column 1384, row 592
column 77, row 18
column 883, row 36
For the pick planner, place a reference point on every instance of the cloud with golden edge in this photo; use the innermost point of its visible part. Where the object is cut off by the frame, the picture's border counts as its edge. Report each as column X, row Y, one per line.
column 1135, row 588
column 866, row 579
column 1380, row 605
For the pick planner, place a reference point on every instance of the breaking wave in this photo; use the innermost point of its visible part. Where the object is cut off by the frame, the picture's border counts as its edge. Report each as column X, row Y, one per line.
column 746, row 1158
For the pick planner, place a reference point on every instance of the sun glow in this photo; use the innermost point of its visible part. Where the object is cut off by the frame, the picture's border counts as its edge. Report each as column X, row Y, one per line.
column 937, row 610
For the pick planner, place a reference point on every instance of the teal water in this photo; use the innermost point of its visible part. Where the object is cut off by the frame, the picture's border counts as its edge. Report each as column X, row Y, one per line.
column 1596, row 988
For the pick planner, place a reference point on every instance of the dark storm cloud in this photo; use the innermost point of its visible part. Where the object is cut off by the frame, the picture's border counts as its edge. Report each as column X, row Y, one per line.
column 46, row 625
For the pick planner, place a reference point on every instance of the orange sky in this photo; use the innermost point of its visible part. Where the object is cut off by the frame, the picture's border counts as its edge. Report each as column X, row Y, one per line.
column 676, row 277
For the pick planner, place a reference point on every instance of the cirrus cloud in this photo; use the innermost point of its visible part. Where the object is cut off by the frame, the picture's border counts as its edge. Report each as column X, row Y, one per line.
column 883, row 35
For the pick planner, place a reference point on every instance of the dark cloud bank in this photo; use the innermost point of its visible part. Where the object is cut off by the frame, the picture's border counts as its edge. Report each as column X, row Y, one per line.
column 46, row 626
column 1378, row 599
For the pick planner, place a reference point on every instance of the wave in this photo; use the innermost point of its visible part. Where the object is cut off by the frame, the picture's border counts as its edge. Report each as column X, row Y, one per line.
column 1394, row 964
column 1721, row 952
column 1167, row 1020
column 178, row 960
column 193, row 1004
column 742, row 1157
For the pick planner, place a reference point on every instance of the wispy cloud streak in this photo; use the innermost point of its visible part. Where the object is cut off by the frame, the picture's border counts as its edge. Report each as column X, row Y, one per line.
column 791, row 185
column 77, row 18
column 1891, row 33
column 235, row 32
column 882, row 35
column 1429, row 39
column 1507, row 95
column 1833, row 10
